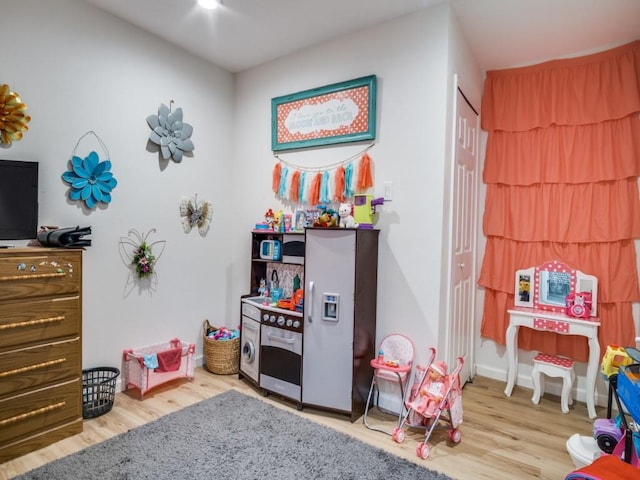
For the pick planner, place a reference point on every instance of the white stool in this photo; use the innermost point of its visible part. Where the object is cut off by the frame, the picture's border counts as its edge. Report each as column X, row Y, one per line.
column 553, row 367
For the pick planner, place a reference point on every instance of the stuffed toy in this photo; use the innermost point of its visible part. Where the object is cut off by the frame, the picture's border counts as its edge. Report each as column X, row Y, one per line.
column 346, row 218
column 326, row 220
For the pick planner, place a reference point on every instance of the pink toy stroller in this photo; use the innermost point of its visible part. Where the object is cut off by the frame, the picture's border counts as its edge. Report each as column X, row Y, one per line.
column 435, row 399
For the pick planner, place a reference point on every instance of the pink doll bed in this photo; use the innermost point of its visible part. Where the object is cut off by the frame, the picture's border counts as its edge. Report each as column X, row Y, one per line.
column 147, row 367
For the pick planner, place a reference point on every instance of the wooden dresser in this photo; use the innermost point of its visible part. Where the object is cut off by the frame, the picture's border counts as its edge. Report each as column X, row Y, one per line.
column 40, row 348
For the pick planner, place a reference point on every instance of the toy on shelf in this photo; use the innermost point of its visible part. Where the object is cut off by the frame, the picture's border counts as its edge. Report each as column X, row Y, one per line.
column 327, row 218
column 345, row 212
column 364, row 209
column 578, row 305
column 278, row 222
column 269, row 217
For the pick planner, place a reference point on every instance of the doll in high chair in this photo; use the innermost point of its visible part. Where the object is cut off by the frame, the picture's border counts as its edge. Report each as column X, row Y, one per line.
column 432, row 390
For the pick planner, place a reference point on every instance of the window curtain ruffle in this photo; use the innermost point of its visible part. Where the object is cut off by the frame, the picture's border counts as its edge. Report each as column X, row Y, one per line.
column 561, row 169
column 613, row 263
column 586, row 212
column 565, row 154
column 575, row 91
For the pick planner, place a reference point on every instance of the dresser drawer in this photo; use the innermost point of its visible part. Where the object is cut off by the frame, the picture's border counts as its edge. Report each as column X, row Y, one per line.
column 37, row 321
column 28, row 414
column 34, row 275
column 40, row 366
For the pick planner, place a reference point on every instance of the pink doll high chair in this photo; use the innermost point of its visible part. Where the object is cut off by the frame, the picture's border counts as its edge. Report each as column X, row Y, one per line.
column 393, row 366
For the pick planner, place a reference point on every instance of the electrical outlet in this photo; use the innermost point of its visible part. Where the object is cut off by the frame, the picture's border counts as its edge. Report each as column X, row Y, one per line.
column 388, row 191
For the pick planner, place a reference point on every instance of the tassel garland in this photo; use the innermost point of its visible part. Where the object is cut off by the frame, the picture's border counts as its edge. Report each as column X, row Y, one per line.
column 339, row 184
column 283, row 183
column 302, row 192
column 364, row 176
column 335, row 183
column 276, row 178
column 324, row 188
column 314, row 193
column 348, row 182
column 294, row 190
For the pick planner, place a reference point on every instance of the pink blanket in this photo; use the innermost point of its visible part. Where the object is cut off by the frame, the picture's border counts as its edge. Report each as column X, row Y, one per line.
column 169, row 360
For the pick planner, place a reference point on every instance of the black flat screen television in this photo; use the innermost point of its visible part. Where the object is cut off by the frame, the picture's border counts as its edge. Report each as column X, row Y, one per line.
column 18, row 200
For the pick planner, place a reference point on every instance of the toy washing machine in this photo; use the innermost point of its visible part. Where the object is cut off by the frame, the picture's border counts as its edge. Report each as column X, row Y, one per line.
column 250, row 343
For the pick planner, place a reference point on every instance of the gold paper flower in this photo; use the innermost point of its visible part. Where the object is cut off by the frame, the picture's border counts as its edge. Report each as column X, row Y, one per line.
column 13, row 120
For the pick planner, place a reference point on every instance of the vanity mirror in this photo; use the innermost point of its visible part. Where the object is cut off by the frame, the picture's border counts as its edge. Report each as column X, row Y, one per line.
column 546, row 286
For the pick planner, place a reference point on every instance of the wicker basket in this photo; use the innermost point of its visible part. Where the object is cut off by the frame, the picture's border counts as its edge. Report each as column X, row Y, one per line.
column 222, row 357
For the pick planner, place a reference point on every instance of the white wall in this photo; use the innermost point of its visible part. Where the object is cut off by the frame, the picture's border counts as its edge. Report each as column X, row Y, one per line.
column 411, row 61
column 80, row 69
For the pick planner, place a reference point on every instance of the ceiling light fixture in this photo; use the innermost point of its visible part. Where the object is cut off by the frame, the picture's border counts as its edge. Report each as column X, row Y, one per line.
column 209, row 4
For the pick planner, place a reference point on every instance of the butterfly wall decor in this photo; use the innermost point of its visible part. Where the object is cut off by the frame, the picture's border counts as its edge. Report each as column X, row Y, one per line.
column 196, row 214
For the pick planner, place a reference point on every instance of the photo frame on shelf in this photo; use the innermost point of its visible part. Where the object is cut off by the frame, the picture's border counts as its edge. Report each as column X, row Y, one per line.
column 311, row 217
column 337, row 113
column 299, row 221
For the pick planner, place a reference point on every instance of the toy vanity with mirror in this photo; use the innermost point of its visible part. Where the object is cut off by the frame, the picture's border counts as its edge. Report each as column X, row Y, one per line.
column 555, row 298
column 555, row 287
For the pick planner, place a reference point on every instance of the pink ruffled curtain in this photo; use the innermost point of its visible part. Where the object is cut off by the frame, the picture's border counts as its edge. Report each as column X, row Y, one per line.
column 561, row 169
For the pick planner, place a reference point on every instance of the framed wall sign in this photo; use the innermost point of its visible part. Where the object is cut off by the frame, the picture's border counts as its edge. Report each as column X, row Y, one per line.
column 337, row 113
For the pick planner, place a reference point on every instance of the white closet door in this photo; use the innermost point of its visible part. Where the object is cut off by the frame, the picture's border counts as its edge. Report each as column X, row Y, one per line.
column 460, row 329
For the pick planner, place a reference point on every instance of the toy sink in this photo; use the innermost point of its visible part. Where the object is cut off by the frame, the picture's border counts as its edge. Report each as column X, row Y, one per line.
column 258, row 300
column 266, row 303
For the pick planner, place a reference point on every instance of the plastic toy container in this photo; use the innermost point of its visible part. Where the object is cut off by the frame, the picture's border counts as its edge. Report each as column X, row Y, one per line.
column 629, row 389
column 98, row 390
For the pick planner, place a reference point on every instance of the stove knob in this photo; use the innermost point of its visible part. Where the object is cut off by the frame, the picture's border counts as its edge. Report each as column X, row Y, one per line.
column 296, row 324
column 272, row 318
column 281, row 320
column 265, row 317
column 289, row 322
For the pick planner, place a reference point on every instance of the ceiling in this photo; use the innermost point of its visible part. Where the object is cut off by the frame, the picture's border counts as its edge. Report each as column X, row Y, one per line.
column 502, row 33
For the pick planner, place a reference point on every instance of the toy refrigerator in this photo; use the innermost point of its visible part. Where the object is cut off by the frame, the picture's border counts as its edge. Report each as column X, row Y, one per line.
column 339, row 318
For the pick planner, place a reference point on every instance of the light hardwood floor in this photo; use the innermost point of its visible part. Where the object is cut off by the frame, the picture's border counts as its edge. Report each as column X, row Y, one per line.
column 502, row 438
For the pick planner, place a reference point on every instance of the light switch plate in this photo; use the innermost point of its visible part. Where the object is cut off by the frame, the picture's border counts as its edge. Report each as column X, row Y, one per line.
column 388, row 191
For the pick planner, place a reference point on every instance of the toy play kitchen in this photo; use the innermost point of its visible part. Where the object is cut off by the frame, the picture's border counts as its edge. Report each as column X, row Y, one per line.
column 312, row 345
column 271, row 353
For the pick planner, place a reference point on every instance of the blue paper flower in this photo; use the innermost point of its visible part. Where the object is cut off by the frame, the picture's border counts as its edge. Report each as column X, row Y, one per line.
column 171, row 133
column 90, row 180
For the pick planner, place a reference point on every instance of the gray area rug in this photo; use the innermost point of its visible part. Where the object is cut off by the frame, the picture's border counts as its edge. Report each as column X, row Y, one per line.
column 232, row 436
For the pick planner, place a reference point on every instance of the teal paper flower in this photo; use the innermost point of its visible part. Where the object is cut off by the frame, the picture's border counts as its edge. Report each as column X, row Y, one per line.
column 90, row 180
column 171, row 133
